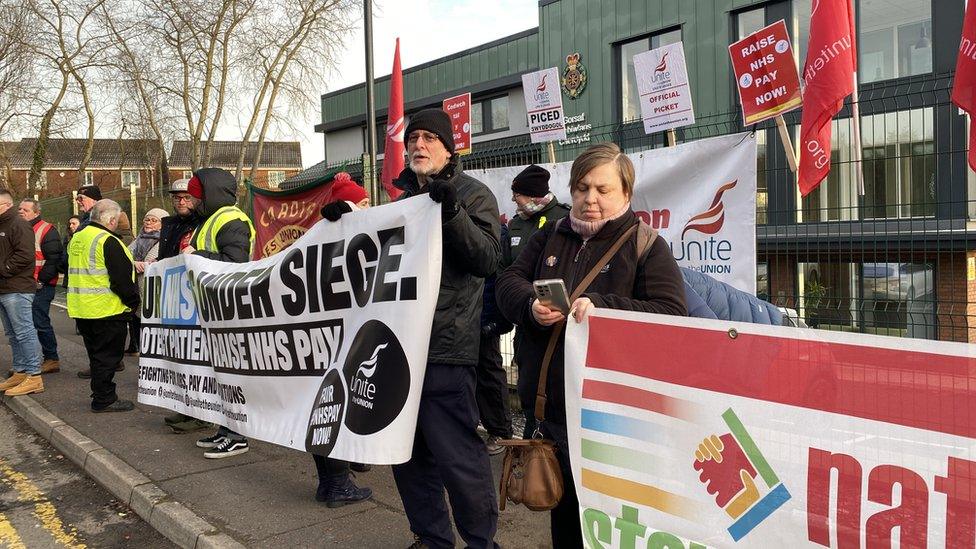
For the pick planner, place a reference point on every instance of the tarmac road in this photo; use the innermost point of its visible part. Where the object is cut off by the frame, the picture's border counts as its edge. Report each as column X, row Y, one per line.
column 46, row 501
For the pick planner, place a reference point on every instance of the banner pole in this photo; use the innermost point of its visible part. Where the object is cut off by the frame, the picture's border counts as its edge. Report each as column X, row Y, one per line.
column 784, row 135
column 132, row 206
column 552, row 152
column 672, row 138
column 856, row 132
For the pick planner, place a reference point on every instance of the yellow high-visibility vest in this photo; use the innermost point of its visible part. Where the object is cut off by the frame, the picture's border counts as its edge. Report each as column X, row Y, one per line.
column 89, row 294
column 206, row 236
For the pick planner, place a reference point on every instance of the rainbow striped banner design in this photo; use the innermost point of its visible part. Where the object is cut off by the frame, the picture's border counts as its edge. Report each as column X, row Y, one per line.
column 632, row 459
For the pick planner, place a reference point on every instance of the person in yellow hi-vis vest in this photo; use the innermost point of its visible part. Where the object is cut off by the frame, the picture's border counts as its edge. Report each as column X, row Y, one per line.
column 226, row 234
column 102, row 294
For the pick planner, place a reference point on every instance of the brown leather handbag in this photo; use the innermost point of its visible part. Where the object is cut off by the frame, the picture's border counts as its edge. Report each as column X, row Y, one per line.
column 530, row 473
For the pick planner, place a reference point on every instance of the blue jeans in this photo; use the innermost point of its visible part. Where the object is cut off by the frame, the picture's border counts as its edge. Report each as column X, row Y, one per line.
column 42, row 322
column 18, row 325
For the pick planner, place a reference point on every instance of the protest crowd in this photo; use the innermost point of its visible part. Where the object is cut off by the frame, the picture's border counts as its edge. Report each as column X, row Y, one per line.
column 486, row 290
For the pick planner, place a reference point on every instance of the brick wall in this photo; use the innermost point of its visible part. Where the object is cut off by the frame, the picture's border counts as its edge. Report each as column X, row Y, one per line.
column 62, row 182
column 782, row 280
column 955, row 298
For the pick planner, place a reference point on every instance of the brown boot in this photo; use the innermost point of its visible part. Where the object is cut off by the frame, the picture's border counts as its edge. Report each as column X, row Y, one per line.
column 13, row 381
column 31, row 384
column 50, row 366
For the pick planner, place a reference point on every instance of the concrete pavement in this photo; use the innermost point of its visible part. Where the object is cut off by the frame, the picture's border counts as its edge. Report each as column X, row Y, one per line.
column 264, row 498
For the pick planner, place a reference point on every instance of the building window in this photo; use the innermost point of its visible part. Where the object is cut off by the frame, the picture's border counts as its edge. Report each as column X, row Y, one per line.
column 130, row 178
column 748, row 22
column 477, row 118
column 899, row 299
column 89, row 178
column 629, row 103
column 489, row 115
column 893, row 41
column 187, row 174
column 762, row 280
column 895, row 299
column 898, row 153
column 835, row 199
column 762, row 189
column 899, row 164
column 275, row 179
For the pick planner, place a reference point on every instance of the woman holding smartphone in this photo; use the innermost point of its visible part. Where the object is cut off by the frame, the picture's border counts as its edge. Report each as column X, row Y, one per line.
column 602, row 185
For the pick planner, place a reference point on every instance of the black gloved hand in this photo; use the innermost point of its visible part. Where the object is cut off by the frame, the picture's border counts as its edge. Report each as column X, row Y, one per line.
column 334, row 210
column 445, row 193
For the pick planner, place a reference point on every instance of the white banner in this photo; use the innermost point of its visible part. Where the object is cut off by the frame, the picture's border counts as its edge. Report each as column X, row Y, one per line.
column 544, row 105
column 691, row 433
column 322, row 347
column 662, row 82
column 700, row 195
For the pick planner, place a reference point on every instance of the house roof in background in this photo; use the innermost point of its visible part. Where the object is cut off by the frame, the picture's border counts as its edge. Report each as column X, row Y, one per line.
column 67, row 153
column 274, row 154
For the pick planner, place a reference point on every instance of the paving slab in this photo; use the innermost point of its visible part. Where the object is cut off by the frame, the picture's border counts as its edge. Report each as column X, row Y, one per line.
column 264, row 498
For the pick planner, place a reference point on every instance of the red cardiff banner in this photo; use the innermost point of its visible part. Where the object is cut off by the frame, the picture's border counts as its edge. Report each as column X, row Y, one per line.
column 689, row 433
column 282, row 217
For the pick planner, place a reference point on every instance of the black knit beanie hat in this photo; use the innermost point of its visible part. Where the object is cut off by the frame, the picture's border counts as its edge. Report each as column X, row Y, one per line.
column 435, row 121
column 532, row 181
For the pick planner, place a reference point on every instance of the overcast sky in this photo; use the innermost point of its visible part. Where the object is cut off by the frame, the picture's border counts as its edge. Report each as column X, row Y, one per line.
column 427, row 29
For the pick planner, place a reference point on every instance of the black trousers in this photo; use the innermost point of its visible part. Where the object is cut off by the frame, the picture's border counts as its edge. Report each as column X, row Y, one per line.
column 135, row 326
column 492, row 389
column 328, row 467
column 564, row 519
column 105, row 342
column 449, row 454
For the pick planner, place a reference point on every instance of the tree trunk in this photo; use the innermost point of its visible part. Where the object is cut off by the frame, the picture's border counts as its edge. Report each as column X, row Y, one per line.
column 40, row 147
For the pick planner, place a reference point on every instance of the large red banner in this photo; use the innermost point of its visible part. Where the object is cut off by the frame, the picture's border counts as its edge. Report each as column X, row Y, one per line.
column 281, row 218
column 765, row 74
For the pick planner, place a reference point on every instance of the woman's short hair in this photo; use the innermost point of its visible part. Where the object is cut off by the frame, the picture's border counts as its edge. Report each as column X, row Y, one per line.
column 598, row 155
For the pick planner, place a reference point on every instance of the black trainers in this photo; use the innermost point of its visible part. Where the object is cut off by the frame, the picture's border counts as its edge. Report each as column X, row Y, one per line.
column 211, row 441
column 340, row 490
column 417, row 543
column 117, row 406
column 227, row 448
column 84, row 374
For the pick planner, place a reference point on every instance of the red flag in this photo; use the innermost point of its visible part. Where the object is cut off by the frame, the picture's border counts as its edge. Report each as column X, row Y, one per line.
column 964, row 86
column 828, row 76
column 393, row 149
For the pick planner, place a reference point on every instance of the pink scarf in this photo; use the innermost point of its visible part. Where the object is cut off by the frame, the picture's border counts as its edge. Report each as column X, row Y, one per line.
column 587, row 229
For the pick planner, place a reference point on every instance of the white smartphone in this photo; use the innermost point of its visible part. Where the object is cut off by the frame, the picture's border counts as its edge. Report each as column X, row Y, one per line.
column 552, row 293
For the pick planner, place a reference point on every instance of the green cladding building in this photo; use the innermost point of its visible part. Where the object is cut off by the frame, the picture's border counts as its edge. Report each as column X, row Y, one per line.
column 898, row 260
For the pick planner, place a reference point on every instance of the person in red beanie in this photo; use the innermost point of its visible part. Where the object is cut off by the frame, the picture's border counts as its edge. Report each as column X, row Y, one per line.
column 346, row 197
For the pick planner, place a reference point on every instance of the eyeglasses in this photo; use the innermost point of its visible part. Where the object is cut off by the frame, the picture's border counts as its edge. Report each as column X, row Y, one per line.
column 182, row 198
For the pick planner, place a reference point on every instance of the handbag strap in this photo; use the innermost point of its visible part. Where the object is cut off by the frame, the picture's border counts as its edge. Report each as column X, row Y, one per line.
column 540, row 395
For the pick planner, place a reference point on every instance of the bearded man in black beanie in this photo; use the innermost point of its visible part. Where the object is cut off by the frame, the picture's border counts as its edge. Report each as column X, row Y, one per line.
column 448, row 453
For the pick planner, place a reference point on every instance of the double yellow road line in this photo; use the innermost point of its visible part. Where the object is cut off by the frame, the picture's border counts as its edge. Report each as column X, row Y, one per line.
column 44, row 511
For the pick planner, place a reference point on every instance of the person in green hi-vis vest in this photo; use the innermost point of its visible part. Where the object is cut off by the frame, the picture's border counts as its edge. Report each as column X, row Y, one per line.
column 102, row 294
